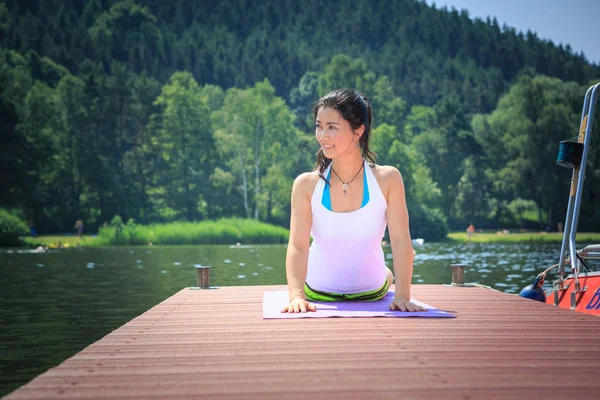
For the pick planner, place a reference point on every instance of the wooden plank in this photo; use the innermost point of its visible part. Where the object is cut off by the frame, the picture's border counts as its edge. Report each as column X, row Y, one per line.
column 214, row 344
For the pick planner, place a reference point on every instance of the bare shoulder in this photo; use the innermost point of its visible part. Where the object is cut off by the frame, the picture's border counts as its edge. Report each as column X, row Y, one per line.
column 307, row 179
column 386, row 174
column 388, row 177
column 305, row 183
column 385, row 171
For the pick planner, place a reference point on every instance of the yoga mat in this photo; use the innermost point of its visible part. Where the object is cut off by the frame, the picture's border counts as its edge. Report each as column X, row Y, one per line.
column 274, row 301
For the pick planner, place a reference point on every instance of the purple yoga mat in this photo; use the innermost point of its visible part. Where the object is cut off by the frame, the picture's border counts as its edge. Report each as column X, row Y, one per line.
column 274, row 301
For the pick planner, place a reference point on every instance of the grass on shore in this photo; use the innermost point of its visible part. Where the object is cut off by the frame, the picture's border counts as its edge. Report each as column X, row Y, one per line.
column 223, row 231
column 65, row 240
column 521, row 237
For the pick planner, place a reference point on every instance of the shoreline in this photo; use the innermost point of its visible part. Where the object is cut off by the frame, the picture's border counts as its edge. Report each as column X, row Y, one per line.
column 520, row 237
column 70, row 241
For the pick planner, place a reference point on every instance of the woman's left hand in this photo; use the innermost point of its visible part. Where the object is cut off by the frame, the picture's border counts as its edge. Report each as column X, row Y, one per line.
column 404, row 305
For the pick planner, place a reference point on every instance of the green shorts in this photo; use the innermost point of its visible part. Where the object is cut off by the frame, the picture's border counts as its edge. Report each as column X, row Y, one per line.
column 316, row 295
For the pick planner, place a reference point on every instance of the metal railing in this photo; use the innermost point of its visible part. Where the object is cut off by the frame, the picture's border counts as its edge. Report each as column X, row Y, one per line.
column 576, row 193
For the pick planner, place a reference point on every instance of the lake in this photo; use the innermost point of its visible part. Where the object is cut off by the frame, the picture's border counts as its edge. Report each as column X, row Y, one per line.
column 54, row 304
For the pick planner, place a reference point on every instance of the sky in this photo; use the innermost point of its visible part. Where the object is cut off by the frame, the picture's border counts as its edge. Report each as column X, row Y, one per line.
column 574, row 22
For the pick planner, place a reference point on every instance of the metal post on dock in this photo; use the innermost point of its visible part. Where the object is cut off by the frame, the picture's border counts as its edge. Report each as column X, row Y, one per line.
column 458, row 274
column 203, row 272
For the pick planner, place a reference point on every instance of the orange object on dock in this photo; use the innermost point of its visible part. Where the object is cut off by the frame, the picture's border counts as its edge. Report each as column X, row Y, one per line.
column 214, row 344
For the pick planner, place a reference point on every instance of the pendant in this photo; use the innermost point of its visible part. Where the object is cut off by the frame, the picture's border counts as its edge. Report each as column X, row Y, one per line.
column 345, row 187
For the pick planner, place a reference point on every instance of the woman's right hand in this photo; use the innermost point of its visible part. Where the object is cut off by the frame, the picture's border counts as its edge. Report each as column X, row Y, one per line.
column 297, row 305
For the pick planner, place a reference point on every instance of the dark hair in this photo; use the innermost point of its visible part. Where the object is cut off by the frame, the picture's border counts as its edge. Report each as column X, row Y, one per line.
column 354, row 108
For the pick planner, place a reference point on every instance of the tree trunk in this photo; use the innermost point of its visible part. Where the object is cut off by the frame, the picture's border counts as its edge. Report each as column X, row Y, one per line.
column 183, row 142
column 245, row 188
column 540, row 218
column 256, row 187
column 549, row 221
column 258, row 148
column 269, row 206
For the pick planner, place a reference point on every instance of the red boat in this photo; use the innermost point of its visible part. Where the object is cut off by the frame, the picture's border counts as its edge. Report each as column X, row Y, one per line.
column 581, row 294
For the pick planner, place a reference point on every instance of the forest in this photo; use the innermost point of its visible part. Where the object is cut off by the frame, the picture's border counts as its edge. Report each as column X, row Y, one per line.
column 196, row 110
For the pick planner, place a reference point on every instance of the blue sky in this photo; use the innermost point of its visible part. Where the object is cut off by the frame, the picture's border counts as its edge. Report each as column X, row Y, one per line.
column 574, row 22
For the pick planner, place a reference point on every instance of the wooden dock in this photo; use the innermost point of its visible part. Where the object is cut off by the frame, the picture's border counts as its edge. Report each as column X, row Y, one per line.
column 214, row 344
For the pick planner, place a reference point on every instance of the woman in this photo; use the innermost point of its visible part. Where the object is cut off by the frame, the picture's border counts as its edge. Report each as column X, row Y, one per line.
column 345, row 205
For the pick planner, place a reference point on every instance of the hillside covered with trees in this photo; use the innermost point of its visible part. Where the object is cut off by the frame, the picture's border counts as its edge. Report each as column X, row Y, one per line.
column 192, row 110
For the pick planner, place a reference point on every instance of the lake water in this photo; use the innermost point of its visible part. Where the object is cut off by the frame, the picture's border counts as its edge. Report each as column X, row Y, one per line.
column 54, row 304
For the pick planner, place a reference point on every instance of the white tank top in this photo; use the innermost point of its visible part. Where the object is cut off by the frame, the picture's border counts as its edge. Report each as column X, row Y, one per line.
column 346, row 255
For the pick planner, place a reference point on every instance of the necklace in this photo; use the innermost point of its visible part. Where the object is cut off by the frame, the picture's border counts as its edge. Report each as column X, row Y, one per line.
column 346, row 184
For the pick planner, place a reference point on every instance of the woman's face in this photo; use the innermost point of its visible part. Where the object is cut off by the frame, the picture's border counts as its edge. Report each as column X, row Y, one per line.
column 334, row 133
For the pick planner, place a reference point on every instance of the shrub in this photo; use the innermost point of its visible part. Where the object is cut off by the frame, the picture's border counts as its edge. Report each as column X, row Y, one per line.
column 11, row 227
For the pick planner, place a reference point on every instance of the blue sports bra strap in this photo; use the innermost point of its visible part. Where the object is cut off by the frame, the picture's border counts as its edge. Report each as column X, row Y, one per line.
column 326, row 198
column 365, row 198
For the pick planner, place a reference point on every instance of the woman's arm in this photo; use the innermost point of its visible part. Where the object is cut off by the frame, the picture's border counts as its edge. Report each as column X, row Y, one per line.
column 296, row 263
column 402, row 250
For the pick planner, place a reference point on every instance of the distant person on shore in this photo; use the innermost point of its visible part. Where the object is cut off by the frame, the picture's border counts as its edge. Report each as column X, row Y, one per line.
column 32, row 230
column 560, row 226
column 345, row 205
column 79, row 227
column 470, row 231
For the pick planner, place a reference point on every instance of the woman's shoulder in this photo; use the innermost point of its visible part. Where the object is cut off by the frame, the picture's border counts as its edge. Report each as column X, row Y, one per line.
column 385, row 172
column 387, row 176
column 307, row 178
column 306, row 182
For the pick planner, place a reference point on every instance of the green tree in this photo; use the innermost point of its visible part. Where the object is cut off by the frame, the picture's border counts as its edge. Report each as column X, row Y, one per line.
column 255, row 133
column 419, row 186
column 419, row 120
column 128, row 33
column 445, row 146
column 521, row 142
column 74, row 120
column 15, row 82
column 387, row 107
column 183, row 143
column 136, row 161
column 474, row 191
column 39, row 126
column 301, row 99
column 346, row 72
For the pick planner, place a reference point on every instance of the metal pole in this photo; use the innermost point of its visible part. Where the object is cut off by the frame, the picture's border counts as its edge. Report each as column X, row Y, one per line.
column 579, row 192
column 574, row 180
